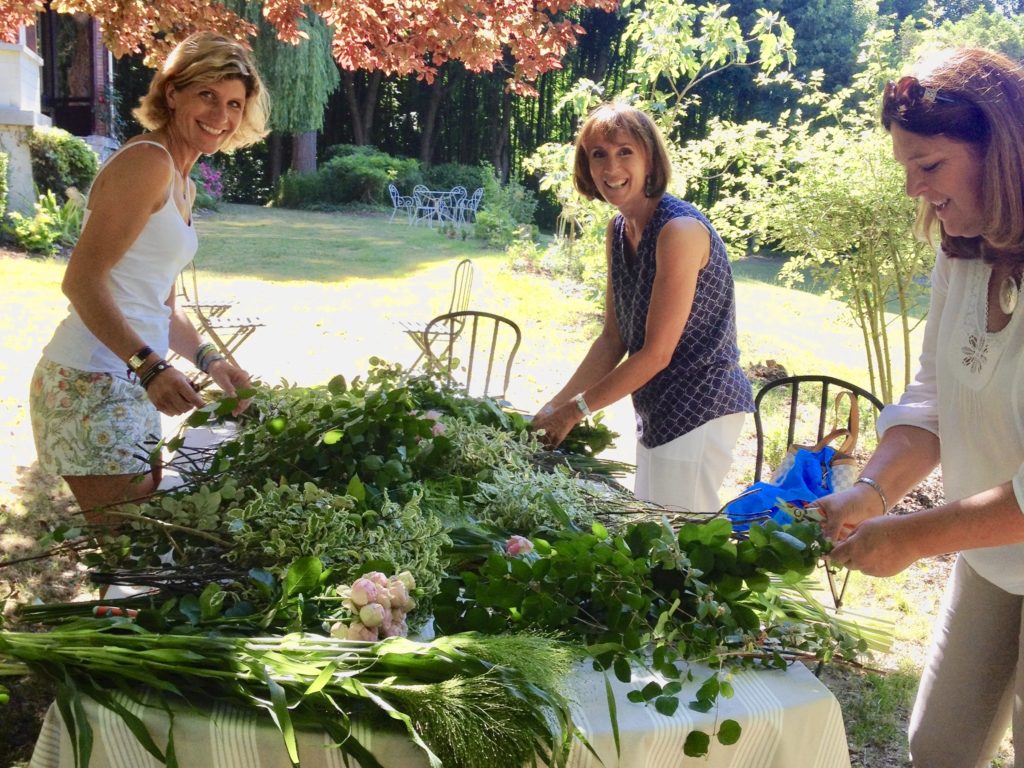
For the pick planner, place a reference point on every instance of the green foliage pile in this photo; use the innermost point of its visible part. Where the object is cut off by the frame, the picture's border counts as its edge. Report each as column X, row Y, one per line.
column 60, row 161
column 322, row 485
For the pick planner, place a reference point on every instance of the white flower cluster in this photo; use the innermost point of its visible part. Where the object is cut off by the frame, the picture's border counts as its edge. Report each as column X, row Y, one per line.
column 379, row 606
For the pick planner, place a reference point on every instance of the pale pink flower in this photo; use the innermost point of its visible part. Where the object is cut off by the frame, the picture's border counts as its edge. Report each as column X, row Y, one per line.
column 398, row 593
column 372, row 615
column 438, row 429
column 398, row 629
column 357, row 631
column 518, row 545
column 407, row 578
column 377, row 578
column 363, row 591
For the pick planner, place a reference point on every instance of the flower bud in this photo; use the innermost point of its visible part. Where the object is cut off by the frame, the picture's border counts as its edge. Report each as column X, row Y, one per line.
column 372, row 615
column 357, row 631
column 518, row 545
column 363, row 592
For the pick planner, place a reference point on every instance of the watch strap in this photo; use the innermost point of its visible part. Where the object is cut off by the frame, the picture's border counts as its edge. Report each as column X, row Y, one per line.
column 137, row 360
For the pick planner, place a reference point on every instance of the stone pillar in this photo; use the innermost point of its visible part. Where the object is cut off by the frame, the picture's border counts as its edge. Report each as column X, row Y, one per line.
column 19, row 113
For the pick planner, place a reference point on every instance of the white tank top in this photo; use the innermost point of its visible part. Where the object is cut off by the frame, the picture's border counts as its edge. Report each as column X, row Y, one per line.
column 140, row 284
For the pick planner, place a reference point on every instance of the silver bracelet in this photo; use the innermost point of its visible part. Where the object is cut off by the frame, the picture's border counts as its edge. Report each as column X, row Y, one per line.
column 582, row 405
column 878, row 489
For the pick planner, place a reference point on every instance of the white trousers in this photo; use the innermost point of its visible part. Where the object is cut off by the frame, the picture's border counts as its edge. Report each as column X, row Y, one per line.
column 687, row 472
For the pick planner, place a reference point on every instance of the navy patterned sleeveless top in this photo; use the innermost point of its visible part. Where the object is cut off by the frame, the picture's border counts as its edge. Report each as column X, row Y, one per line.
column 703, row 381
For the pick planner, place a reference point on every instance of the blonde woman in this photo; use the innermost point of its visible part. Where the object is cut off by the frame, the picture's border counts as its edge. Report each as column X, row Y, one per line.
column 97, row 393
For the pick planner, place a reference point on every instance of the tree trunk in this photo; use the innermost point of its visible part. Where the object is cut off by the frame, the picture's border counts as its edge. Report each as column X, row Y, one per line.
column 442, row 86
column 361, row 114
column 304, row 152
column 348, row 83
column 276, row 163
column 503, row 138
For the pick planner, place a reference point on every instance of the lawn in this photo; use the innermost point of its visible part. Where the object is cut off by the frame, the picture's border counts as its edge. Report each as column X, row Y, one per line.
column 332, row 288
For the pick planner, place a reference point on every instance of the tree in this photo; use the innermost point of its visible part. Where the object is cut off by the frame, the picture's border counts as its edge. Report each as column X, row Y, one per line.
column 300, row 77
column 393, row 36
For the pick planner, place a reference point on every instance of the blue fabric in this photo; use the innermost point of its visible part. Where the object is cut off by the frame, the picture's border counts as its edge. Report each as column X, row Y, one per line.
column 703, row 381
column 807, row 480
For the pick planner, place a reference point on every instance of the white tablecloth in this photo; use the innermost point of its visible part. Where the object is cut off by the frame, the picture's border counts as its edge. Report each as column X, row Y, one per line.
column 789, row 720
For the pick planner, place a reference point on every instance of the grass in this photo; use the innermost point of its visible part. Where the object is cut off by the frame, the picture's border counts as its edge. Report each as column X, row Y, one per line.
column 332, row 290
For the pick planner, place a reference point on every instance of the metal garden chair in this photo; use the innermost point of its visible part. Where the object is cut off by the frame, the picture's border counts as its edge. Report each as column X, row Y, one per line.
column 401, row 203
column 226, row 331
column 462, row 287
column 808, row 402
column 472, row 347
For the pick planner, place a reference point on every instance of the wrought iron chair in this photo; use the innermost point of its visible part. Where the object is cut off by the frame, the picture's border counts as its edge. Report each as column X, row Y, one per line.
column 226, row 331
column 470, row 345
column 401, row 203
column 462, row 287
column 465, row 213
column 808, row 403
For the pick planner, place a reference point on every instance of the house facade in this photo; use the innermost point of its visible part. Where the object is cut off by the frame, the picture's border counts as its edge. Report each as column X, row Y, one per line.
column 57, row 73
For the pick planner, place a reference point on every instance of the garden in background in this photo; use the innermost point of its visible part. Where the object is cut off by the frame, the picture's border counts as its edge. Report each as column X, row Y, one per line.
column 336, row 301
column 772, row 119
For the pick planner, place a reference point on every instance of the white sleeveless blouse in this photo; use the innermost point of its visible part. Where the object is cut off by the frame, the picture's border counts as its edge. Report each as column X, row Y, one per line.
column 140, row 284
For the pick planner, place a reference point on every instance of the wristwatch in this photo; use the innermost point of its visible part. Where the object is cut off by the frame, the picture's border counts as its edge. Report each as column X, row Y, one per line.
column 136, row 361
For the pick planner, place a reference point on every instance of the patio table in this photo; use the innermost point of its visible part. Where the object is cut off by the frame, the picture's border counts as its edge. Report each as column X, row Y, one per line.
column 789, row 720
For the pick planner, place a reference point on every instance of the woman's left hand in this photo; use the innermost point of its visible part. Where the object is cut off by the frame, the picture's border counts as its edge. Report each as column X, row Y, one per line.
column 230, row 379
column 876, row 547
column 556, row 422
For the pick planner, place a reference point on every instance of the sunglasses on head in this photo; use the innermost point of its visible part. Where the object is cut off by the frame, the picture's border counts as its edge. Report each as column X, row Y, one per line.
column 907, row 93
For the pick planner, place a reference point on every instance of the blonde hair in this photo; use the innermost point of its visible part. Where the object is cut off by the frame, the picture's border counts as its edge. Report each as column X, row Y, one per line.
column 981, row 103
column 202, row 58
column 616, row 117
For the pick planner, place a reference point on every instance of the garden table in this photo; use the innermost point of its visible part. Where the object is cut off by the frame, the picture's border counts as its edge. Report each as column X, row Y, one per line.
column 789, row 720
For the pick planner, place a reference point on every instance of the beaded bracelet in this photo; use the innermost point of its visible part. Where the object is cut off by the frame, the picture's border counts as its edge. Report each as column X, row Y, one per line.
column 152, row 372
column 207, row 355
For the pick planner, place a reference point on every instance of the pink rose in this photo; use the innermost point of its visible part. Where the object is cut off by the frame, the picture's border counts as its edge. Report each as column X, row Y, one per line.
column 377, row 578
column 363, row 592
column 438, row 429
column 518, row 545
column 372, row 615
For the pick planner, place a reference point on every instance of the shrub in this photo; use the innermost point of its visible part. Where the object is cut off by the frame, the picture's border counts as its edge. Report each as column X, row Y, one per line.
column 353, row 175
column 209, row 183
column 54, row 224
column 3, row 185
column 299, row 190
column 507, row 212
column 60, row 160
column 448, row 175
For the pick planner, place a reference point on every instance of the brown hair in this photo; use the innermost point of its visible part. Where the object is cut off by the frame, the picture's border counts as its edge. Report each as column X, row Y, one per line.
column 615, row 117
column 974, row 96
column 201, row 58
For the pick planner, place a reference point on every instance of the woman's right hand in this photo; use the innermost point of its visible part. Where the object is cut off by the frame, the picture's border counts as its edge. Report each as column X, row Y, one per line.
column 842, row 512
column 173, row 394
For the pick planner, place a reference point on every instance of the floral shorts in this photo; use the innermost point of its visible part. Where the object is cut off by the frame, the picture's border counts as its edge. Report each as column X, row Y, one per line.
column 90, row 423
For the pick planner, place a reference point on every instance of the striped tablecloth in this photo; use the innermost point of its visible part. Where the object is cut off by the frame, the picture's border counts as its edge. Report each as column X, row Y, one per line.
column 789, row 720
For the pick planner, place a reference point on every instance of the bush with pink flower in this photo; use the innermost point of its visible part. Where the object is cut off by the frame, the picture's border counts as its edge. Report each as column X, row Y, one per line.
column 377, row 606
